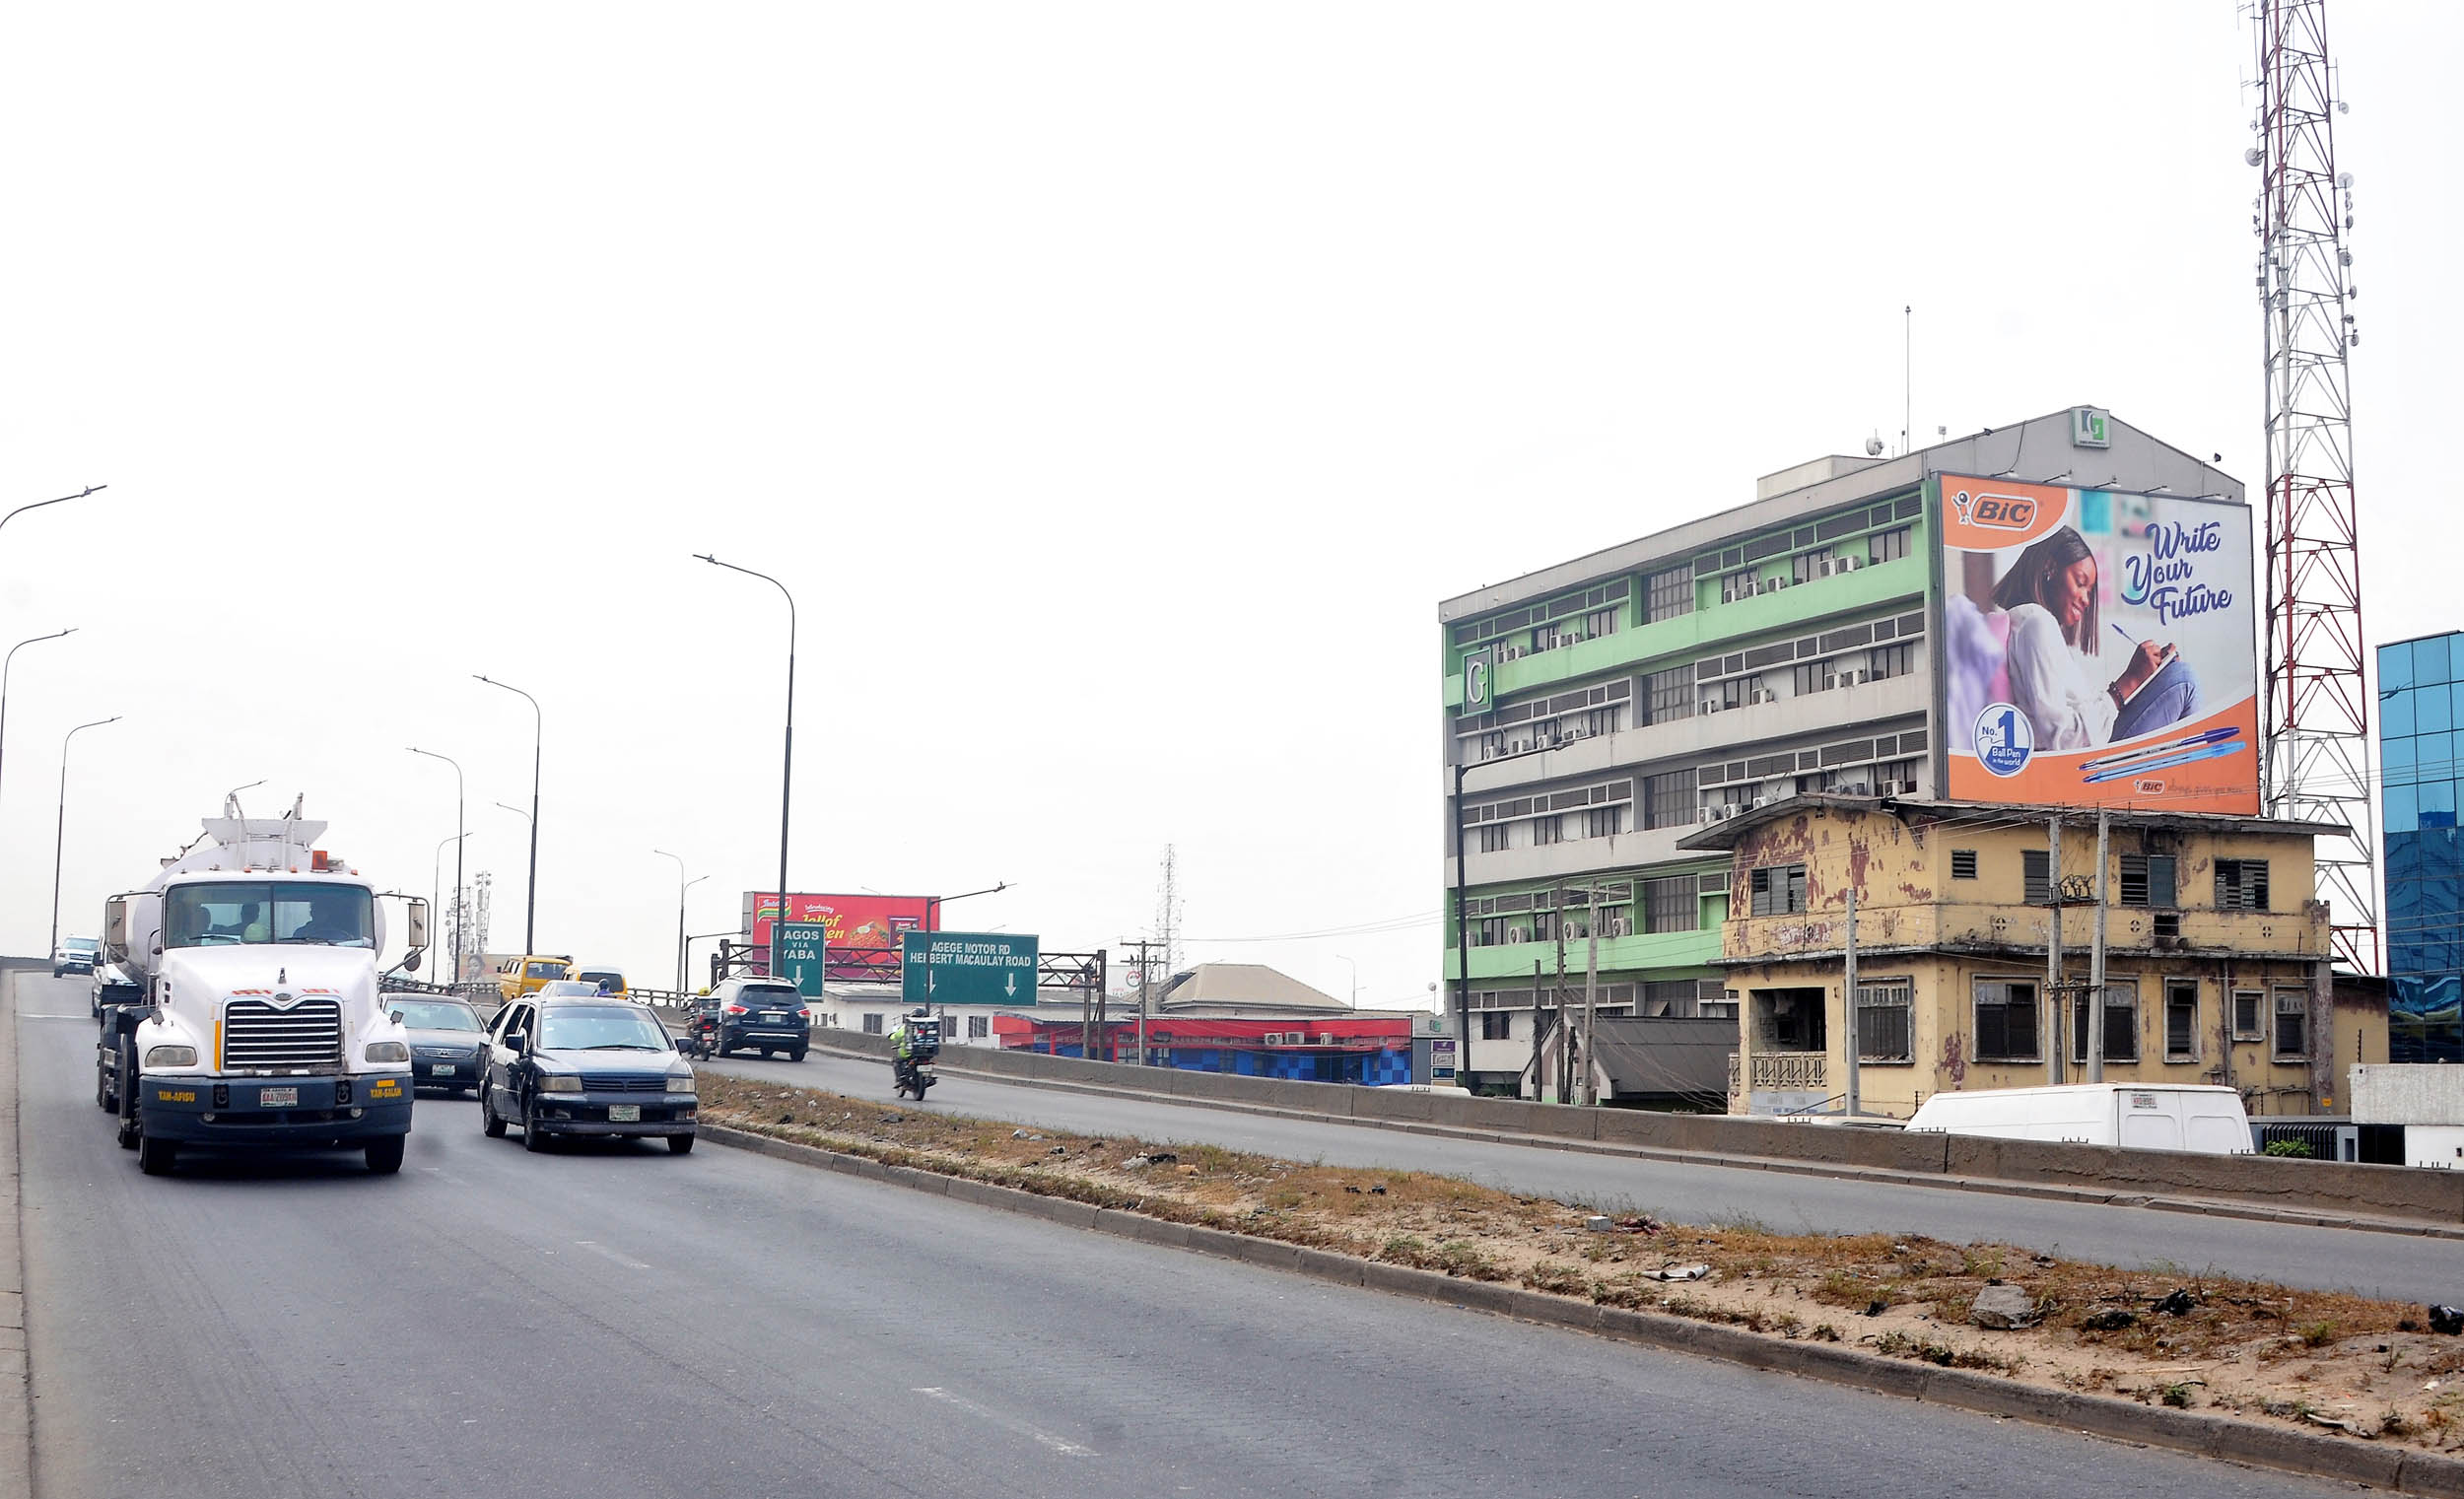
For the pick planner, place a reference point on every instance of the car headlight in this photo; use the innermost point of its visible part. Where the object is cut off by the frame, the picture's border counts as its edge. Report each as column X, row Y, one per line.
column 681, row 1082
column 560, row 1082
column 379, row 1052
column 171, row 1056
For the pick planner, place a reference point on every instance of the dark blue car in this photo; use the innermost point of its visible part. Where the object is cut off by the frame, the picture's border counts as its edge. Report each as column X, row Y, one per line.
column 585, row 1066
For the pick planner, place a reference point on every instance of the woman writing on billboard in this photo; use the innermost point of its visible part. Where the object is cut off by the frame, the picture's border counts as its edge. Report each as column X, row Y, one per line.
column 2050, row 596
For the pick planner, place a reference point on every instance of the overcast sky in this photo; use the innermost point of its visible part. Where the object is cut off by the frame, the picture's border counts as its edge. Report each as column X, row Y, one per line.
column 1119, row 389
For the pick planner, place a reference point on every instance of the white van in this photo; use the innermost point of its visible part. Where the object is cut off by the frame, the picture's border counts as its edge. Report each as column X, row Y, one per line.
column 2205, row 1120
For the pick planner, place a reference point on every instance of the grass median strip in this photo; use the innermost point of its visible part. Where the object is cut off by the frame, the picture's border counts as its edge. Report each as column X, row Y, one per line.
column 2160, row 1334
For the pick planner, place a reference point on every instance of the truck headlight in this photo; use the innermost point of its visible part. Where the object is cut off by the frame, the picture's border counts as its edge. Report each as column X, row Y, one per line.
column 171, row 1056
column 680, row 1082
column 379, row 1052
column 560, row 1082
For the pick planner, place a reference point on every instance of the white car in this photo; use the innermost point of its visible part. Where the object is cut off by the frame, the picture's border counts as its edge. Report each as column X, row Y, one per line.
column 74, row 955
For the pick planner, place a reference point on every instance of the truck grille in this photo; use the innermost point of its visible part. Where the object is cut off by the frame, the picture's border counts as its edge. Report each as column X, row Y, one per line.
column 306, row 1035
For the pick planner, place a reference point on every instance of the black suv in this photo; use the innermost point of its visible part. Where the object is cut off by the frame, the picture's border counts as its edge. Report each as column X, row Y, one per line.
column 585, row 1066
column 765, row 1015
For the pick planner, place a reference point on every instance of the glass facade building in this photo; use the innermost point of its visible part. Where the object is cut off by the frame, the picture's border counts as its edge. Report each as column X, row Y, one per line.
column 2421, row 727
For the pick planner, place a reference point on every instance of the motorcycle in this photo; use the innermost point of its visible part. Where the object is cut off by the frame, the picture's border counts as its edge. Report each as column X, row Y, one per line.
column 912, row 1075
column 914, row 1071
column 700, row 1039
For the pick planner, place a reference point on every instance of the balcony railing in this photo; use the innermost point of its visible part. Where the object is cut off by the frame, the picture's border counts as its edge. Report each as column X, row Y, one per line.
column 1780, row 1073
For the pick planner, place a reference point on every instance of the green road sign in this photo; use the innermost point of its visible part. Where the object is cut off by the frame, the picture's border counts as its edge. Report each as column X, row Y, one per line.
column 967, row 967
column 801, row 949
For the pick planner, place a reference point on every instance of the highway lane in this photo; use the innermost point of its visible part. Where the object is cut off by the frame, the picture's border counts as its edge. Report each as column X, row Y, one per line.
column 2405, row 1267
column 616, row 1321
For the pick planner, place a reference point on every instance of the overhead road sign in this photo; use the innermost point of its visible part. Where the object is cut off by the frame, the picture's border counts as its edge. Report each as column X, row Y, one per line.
column 969, row 967
column 802, row 955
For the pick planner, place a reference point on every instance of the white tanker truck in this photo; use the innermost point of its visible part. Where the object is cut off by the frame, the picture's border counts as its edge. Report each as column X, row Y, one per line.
column 249, row 1014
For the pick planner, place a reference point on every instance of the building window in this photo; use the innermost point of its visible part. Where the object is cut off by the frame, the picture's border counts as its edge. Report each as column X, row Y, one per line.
column 1805, row 567
column 1494, row 837
column 1669, row 996
column 1810, row 677
column 2147, row 879
column 1890, row 662
column 1669, row 695
column 1779, row 890
column 2249, row 1021
column 2121, row 1024
column 872, row 1022
column 2181, row 1020
column 2293, row 1024
column 2006, row 1020
column 978, row 1027
column 1605, row 720
column 1883, row 1030
column 1887, row 546
column 1964, row 863
column 1546, row 830
column 1669, row 799
column 1488, row 931
column 1600, row 622
column 2241, row 884
column 1737, row 585
column 1672, row 904
column 1671, row 592
column 1604, row 822
column 2035, row 876
column 1496, row 1025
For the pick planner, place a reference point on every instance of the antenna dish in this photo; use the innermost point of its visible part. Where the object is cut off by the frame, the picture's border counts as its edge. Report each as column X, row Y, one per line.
column 1873, row 447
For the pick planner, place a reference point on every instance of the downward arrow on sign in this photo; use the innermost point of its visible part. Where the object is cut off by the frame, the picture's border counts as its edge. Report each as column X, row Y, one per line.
column 1013, row 985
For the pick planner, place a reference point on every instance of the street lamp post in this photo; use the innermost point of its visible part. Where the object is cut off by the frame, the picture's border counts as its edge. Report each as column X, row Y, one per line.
column 530, row 897
column 458, row 835
column 934, row 902
column 786, row 775
column 701, row 936
column 59, row 830
column 1356, row 980
column 682, row 885
column 435, row 877
column 5, row 662
column 62, row 500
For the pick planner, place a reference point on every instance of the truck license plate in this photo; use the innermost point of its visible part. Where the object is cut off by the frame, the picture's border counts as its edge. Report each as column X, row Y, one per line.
column 624, row 1114
column 441, row 1069
column 278, row 1098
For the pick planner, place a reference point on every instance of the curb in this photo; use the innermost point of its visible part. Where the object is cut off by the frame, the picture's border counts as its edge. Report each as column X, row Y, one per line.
column 16, row 1390
column 2211, row 1208
column 2202, row 1435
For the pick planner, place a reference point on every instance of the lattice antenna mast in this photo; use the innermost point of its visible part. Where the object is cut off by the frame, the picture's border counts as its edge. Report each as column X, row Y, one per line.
column 470, row 964
column 1168, row 915
column 2317, row 731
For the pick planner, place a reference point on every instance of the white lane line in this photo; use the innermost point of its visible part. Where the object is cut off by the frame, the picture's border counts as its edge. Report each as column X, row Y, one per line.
column 601, row 1248
column 1061, row 1445
column 27, row 1015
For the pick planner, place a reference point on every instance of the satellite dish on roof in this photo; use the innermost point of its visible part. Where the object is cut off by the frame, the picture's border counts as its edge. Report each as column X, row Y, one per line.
column 1873, row 447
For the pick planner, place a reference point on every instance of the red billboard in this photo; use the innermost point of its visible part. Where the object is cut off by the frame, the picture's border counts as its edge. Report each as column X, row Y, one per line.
column 851, row 921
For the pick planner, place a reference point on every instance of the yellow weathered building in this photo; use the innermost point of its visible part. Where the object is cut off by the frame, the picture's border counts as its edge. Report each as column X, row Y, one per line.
column 2216, row 956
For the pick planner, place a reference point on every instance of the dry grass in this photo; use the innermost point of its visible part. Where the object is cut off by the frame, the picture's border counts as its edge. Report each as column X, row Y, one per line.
column 2160, row 1334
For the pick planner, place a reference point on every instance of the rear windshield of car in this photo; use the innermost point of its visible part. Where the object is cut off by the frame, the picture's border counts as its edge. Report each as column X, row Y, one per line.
column 81, row 944
column 768, row 997
column 436, row 1015
column 599, row 976
column 610, row 1028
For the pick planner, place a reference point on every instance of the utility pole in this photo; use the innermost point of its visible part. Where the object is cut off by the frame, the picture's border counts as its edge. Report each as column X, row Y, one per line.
column 1557, row 999
column 1463, row 957
column 1540, row 1033
column 1590, row 994
column 2095, row 963
column 2053, row 947
column 1145, row 988
column 1855, row 1045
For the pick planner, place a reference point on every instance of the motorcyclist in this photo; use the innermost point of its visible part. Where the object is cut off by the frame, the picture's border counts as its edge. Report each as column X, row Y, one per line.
column 904, row 1043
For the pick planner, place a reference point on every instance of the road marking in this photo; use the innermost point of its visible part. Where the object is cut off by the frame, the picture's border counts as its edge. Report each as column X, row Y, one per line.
column 1062, row 1445
column 601, row 1248
column 23, row 1015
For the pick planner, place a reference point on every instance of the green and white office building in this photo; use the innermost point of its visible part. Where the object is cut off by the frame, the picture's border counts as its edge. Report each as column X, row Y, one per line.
column 1621, row 700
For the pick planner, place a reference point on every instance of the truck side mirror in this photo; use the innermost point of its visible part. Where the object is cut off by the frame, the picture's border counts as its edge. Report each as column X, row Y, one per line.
column 419, row 928
column 115, row 929
column 516, row 1040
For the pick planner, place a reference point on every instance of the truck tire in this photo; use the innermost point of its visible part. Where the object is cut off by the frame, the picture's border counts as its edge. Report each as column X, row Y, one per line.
column 156, row 1158
column 681, row 1144
column 384, row 1154
column 491, row 1123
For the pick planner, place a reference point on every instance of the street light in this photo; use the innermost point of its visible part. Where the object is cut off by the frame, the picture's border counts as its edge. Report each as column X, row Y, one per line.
column 436, row 875
column 934, row 902
column 459, row 836
column 4, row 679
column 702, row 936
column 787, row 776
column 59, row 829
column 1356, row 980
column 64, row 500
column 682, row 885
column 530, row 897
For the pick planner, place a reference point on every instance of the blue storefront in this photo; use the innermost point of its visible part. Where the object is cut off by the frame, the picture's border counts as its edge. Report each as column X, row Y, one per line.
column 2421, row 727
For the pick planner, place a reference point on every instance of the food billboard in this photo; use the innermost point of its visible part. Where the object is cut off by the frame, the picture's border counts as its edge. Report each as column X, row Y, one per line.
column 2099, row 648
column 851, row 921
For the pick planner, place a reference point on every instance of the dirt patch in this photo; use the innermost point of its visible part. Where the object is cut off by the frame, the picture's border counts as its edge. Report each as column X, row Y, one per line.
column 2160, row 1334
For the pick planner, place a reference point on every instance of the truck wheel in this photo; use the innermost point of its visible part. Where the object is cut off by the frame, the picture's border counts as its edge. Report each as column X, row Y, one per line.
column 534, row 1138
column 157, row 1157
column 681, row 1144
column 384, row 1154
column 104, row 1097
column 489, row 1123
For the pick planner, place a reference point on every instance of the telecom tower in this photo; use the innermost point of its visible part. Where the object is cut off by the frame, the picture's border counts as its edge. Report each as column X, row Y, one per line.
column 468, row 964
column 2317, row 731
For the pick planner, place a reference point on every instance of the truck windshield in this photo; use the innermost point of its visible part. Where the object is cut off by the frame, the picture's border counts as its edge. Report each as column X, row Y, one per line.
column 268, row 911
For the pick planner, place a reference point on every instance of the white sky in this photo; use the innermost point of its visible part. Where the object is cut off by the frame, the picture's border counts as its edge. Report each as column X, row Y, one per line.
column 1118, row 388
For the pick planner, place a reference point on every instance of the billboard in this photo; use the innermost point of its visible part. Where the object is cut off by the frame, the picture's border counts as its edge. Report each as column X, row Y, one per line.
column 2099, row 648
column 847, row 921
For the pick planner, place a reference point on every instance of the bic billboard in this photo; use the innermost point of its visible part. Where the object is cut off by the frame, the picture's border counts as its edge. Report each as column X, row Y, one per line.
column 2100, row 649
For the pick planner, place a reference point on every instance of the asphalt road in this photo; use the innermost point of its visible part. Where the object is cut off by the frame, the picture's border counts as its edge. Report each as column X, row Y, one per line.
column 616, row 1321
column 2405, row 1267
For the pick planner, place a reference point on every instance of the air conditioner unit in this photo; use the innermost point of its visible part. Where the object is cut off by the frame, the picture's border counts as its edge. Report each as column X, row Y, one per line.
column 1325, row 1037
column 1825, row 567
column 1713, row 705
column 1727, row 809
column 1518, row 934
column 1514, row 652
column 1766, row 584
column 1617, row 927
column 1766, row 696
column 1828, row 683
column 1759, row 802
column 1851, row 564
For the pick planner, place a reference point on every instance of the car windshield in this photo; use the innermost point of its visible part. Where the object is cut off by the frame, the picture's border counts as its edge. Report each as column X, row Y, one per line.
column 436, row 1015
column 224, row 912
column 768, row 998
column 81, row 944
column 599, row 1028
